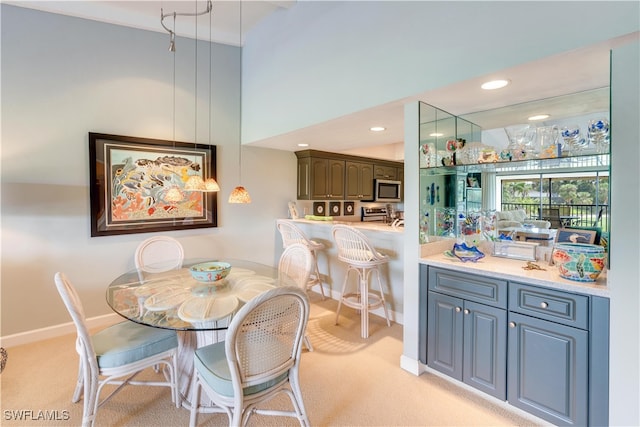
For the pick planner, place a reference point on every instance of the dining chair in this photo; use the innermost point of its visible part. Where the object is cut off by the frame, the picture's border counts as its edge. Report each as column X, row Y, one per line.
column 117, row 354
column 292, row 234
column 296, row 262
column 355, row 249
column 158, row 254
column 259, row 359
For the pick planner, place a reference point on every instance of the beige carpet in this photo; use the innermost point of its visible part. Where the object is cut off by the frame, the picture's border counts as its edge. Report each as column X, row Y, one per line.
column 346, row 381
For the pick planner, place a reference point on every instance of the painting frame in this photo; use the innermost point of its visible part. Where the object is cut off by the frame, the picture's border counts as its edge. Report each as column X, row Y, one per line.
column 130, row 179
column 567, row 235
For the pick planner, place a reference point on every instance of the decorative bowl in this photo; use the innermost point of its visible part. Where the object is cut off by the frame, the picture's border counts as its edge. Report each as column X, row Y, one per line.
column 211, row 271
column 579, row 261
column 465, row 253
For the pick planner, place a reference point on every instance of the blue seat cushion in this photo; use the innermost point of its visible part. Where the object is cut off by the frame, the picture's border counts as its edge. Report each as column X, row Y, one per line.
column 211, row 362
column 128, row 342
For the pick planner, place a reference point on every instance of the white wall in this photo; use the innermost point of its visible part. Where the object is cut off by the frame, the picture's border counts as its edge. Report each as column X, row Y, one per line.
column 624, row 276
column 63, row 77
column 321, row 60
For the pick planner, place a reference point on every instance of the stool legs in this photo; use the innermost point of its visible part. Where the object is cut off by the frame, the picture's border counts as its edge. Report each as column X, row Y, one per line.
column 362, row 297
column 317, row 279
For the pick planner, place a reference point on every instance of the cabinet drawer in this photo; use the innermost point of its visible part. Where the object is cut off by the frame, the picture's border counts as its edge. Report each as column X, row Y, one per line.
column 557, row 306
column 471, row 287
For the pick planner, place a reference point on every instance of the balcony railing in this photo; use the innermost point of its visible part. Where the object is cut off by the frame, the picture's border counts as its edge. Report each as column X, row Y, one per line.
column 577, row 215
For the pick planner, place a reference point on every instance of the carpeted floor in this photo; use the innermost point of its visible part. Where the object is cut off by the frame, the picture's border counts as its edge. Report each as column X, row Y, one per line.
column 346, row 381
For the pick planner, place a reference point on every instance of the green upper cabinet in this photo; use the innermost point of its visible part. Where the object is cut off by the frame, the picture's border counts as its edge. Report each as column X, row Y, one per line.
column 332, row 176
column 327, row 179
column 359, row 181
column 386, row 172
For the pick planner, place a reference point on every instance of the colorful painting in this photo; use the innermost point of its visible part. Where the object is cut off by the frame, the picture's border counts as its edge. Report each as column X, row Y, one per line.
column 138, row 185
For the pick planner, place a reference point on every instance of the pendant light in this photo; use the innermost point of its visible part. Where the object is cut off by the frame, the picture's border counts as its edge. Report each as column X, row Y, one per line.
column 240, row 194
column 195, row 182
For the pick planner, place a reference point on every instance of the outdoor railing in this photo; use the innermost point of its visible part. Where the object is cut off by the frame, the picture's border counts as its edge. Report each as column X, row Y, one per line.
column 582, row 215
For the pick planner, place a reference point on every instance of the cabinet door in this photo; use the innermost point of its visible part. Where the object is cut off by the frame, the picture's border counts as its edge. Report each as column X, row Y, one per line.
column 444, row 334
column 385, row 172
column 485, row 349
column 319, row 179
column 359, row 181
column 548, row 371
column 304, row 178
column 335, row 182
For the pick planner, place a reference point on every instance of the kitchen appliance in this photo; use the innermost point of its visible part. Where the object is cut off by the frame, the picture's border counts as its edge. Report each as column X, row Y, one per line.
column 386, row 190
column 374, row 214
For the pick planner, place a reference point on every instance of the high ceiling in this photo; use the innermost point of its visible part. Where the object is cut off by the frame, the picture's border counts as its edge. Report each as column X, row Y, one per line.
column 546, row 78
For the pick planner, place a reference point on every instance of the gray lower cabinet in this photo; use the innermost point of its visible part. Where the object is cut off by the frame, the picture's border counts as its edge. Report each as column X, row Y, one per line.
column 467, row 341
column 546, row 351
column 467, row 329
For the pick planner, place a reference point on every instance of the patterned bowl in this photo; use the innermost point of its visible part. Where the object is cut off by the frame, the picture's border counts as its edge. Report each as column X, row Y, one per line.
column 579, row 261
column 210, row 271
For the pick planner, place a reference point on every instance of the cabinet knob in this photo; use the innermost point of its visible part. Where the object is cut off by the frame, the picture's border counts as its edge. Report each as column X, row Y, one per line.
column 466, row 311
column 458, row 309
column 544, row 304
column 512, row 324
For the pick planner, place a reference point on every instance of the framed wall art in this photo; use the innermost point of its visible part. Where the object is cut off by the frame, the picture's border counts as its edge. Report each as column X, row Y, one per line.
column 138, row 185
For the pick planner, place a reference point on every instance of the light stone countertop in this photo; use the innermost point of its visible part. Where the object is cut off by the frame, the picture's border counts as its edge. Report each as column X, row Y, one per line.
column 366, row 225
column 511, row 269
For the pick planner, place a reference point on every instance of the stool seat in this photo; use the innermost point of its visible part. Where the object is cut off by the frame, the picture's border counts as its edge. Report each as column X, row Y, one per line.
column 292, row 234
column 358, row 253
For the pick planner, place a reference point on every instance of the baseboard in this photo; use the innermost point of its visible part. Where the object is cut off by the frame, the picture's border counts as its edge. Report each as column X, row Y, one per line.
column 411, row 365
column 56, row 331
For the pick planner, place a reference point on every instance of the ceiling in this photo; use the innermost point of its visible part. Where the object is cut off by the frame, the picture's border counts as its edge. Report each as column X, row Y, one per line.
column 563, row 74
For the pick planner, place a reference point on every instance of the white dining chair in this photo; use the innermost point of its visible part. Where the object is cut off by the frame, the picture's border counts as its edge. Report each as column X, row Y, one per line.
column 158, row 254
column 355, row 249
column 259, row 359
column 296, row 263
column 117, row 354
column 292, row 234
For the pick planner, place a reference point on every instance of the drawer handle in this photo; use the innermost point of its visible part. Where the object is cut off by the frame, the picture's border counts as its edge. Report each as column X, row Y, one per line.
column 458, row 309
column 544, row 304
column 512, row 324
column 466, row 311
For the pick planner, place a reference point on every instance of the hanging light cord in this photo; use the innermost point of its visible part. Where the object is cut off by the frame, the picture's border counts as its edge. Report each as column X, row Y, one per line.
column 240, row 102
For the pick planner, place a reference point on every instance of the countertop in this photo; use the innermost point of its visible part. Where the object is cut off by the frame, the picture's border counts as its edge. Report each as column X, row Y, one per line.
column 366, row 225
column 511, row 269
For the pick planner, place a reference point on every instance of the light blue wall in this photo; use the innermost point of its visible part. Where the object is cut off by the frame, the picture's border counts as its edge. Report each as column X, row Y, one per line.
column 63, row 77
column 320, row 60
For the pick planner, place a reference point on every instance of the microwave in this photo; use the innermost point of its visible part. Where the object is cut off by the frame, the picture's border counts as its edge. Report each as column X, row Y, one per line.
column 387, row 190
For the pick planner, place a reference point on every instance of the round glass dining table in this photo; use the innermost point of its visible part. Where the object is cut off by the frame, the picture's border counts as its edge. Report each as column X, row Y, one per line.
column 200, row 312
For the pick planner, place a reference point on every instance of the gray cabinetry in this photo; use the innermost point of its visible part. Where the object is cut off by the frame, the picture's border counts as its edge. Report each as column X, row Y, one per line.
column 359, row 181
column 550, row 355
column 546, row 351
column 467, row 339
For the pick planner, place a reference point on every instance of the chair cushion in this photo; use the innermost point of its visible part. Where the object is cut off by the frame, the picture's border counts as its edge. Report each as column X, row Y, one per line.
column 128, row 342
column 211, row 362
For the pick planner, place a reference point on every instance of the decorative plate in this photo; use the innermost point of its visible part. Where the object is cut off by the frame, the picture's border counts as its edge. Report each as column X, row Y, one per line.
column 208, row 308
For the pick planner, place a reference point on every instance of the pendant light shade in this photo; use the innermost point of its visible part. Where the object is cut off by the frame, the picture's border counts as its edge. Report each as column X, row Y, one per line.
column 196, row 183
column 239, row 195
column 211, row 185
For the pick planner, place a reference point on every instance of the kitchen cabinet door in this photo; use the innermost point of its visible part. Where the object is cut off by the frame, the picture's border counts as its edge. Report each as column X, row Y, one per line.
column 359, row 181
column 304, row 178
column 386, row 172
column 548, row 370
column 444, row 334
column 327, row 179
column 485, row 349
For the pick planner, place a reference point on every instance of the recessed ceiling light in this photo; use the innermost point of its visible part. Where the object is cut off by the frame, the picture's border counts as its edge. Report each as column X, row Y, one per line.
column 377, row 128
column 494, row 84
column 539, row 117
column 303, row 145
column 436, row 134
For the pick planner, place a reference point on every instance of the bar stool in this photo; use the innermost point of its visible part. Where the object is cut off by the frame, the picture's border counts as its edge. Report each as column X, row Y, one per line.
column 358, row 253
column 292, row 234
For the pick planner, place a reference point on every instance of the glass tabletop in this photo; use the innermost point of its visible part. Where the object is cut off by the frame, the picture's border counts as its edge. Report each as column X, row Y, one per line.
column 175, row 300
